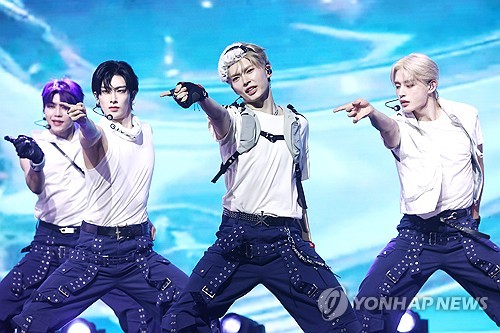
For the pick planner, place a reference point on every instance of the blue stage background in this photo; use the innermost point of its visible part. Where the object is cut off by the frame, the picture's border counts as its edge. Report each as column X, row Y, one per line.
column 323, row 53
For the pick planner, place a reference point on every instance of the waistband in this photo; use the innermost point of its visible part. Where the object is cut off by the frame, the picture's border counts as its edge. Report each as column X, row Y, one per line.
column 436, row 219
column 430, row 237
column 447, row 218
column 119, row 232
column 62, row 230
column 266, row 220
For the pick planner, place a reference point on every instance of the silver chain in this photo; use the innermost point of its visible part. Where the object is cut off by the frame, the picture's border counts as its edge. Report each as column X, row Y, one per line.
column 304, row 258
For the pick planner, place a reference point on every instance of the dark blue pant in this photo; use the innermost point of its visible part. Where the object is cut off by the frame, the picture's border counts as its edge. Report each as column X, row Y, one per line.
column 246, row 255
column 48, row 250
column 406, row 263
column 97, row 266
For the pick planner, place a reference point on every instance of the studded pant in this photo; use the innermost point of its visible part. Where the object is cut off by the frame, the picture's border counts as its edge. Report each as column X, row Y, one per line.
column 406, row 263
column 246, row 255
column 97, row 268
column 48, row 250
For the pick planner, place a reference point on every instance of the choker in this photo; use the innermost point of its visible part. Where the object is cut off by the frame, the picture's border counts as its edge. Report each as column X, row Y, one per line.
column 129, row 134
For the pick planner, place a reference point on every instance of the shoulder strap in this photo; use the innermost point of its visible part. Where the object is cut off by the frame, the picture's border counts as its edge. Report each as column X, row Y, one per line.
column 68, row 158
column 251, row 131
column 476, row 168
column 291, row 131
column 249, row 136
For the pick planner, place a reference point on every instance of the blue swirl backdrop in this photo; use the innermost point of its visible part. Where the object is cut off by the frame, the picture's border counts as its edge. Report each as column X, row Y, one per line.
column 323, row 53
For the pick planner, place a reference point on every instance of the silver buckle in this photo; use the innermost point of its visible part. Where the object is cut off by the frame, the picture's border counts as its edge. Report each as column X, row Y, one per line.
column 453, row 216
column 208, row 292
column 67, row 230
column 261, row 219
column 117, row 232
column 432, row 238
column 391, row 277
column 166, row 284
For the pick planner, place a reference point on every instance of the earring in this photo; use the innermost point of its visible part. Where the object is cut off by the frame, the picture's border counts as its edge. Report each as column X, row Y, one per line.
column 268, row 69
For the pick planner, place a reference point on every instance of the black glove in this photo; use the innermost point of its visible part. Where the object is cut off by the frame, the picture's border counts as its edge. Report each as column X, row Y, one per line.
column 26, row 147
column 196, row 93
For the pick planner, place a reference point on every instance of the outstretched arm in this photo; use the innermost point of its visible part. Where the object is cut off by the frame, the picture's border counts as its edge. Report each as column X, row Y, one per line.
column 388, row 128
column 92, row 138
column 187, row 93
column 32, row 161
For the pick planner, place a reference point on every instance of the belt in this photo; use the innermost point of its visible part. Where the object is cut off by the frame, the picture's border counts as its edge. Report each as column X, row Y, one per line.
column 448, row 216
column 453, row 216
column 62, row 230
column 458, row 213
column 431, row 237
column 119, row 232
column 105, row 260
column 267, row 220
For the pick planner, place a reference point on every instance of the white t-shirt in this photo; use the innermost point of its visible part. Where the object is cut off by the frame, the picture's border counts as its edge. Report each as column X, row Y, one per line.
column 118, row 188
column 262, row 179
column 435, row 169
column 64, row 197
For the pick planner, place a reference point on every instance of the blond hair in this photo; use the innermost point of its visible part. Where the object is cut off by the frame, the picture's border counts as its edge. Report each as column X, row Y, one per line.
column 418, row 67
column 237, row 51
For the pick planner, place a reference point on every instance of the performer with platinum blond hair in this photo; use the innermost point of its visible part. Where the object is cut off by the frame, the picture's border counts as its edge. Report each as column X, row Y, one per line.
column 437, row 145
column 264, row 236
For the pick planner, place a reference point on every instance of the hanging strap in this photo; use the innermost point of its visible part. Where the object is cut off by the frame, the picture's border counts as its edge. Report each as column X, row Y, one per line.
column 300, row 190
column 224, row 166
column 68, row 158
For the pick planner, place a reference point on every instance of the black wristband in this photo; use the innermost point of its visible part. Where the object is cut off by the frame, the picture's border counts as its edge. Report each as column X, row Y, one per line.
column 196, row 93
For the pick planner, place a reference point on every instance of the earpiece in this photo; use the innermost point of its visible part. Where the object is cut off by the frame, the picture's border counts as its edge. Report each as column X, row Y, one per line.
column 268, row 69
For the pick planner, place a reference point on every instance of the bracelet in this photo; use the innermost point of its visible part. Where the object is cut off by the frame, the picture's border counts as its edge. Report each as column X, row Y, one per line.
column 38, row 167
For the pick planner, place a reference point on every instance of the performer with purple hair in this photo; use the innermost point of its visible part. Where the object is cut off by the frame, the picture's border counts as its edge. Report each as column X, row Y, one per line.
column 52, row 162
column 115, row 247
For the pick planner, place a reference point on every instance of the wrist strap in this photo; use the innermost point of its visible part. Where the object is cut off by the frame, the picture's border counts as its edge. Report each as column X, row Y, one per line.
column 38, row 167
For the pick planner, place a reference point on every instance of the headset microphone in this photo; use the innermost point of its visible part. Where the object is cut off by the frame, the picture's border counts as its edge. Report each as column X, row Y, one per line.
column 107, row 116
column 47, row 126
column 395, row 107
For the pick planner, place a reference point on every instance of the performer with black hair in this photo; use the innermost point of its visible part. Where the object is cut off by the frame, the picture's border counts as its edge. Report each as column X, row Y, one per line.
column 52, row 162
column 115, row 248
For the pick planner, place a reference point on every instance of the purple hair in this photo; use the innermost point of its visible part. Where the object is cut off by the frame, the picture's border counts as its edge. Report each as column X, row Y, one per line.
column 69, row 91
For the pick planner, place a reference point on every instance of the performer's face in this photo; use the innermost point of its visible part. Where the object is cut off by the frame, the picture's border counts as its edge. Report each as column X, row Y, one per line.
column 249, row 81
column 57, row 117
column 413, row 95
column 117, row 99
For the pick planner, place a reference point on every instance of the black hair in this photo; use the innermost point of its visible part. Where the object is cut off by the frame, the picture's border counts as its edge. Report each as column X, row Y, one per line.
column 105, row 71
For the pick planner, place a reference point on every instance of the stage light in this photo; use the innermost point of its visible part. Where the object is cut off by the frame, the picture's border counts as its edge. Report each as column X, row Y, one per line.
column 80, row 325
column 234, row 323
column 412, row 323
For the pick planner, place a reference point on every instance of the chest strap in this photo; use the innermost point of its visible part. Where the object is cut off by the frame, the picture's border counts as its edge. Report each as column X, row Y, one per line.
column 272, row 138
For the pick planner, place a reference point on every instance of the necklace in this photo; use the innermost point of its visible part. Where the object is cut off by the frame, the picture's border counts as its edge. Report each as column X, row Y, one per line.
column 275, row 112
